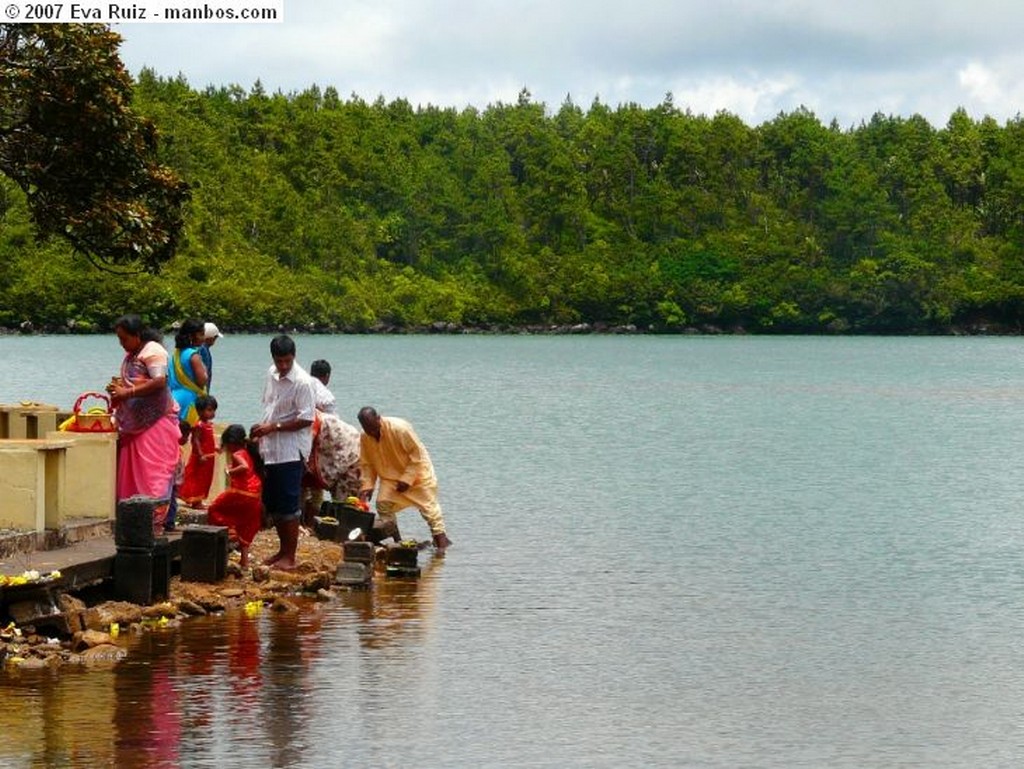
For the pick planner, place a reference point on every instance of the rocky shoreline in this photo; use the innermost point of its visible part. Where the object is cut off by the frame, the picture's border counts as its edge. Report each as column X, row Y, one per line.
column 102, row 633
column 29, row 328
column 534, row 329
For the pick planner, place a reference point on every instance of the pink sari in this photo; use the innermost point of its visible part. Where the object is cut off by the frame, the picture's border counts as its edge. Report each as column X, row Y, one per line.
column 147, row 447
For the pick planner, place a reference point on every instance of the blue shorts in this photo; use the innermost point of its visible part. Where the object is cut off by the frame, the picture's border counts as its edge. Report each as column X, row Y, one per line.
column 282, row 487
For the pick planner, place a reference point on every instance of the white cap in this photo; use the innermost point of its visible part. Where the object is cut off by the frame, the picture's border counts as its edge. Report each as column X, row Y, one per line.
column 211, row 331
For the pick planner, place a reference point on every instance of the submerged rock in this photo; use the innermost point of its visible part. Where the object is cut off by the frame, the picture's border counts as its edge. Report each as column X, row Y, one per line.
column 88, row 639
column 283, row 605
column 104, row 653
column 191, row 608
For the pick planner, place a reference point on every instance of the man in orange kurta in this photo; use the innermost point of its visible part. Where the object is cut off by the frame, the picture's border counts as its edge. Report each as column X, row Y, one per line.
column 390, row 452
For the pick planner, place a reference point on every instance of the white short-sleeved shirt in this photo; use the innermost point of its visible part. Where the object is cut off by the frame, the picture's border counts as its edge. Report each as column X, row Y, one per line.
column 286, row 398
column 323, row 397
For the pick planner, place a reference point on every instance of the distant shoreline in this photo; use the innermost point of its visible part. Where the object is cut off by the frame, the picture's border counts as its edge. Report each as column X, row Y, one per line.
column 539, row 329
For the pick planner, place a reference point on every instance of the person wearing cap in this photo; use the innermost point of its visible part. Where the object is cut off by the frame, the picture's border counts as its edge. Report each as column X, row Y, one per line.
column 210, row 335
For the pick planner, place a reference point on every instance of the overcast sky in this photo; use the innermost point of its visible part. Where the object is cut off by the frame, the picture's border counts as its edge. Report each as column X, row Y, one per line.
column 754, row 58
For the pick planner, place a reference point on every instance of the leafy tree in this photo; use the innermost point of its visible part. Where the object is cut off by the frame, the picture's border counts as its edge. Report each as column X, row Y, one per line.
column 85, row 160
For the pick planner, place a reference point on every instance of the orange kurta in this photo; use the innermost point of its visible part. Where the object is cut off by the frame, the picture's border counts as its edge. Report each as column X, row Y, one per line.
column 399, row 455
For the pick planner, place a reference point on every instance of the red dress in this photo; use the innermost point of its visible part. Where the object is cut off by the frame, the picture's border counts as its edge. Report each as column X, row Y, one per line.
column 240, row 506
column 199, row 475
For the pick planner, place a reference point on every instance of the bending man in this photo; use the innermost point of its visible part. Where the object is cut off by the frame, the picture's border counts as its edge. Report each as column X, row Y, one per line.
column 391, row 452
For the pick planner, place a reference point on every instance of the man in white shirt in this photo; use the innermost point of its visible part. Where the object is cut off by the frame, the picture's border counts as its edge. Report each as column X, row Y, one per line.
column 320, row 370
column 313, row 496
column 285, row 442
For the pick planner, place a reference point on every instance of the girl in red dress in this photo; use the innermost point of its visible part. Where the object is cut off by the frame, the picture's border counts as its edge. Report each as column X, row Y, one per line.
column 240, row 506
column 199, row 470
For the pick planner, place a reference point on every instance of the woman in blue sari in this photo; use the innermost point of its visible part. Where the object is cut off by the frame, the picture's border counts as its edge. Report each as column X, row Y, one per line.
column 187, row 375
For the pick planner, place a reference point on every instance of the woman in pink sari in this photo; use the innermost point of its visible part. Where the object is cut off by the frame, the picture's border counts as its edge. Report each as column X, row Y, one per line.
column 147, row 416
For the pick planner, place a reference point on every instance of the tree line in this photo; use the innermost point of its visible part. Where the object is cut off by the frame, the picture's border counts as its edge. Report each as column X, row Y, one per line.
column 310, row 210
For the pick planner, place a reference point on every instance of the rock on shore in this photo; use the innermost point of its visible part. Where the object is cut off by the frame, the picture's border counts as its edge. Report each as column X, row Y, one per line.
column 97, row 635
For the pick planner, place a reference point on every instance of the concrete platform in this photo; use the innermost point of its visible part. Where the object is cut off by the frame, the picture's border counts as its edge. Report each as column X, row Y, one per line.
column 74, row 531
column 81, row 564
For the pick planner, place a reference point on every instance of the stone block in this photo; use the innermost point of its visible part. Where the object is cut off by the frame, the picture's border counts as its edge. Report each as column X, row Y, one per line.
column 400, row 555
column 408, row 572
column 328, row 529
column 348, row 517
column 204, row 553
column 133, row 522
column 161, row 569
column 358, row 552
column 353, row 573
column 133, row 575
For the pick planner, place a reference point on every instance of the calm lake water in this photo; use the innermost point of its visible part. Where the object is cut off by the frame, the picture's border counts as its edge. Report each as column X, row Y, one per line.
column 671, row 552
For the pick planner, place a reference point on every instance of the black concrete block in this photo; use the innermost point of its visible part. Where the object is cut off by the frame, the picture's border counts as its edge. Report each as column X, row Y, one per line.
column 204, row 553
column 329, row 530
column 358, row 552
column 161, row 569
column 353, row 573
column 348, row 517
column 408, row 572
column 400, row 555
column 133, row 575
column 133, row 522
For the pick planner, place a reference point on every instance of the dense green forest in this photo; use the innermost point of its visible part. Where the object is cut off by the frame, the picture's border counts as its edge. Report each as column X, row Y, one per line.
column 314, row 211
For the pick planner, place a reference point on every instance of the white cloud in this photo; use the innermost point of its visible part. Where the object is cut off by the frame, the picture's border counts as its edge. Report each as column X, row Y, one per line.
column 750, row 57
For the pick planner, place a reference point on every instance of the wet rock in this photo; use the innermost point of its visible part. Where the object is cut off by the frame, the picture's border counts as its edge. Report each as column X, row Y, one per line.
column 323, row 594
column 24, row 612
column 165, row 609
column 319, row 581
column 191, row 608
column 103, row 653
column 74, row 612
column 260, row 574
column 232, row 592
column 283, row 606
column 33, row 663
column 87, row 639
column 123, row 613
column 234, row 570
column 213, row 603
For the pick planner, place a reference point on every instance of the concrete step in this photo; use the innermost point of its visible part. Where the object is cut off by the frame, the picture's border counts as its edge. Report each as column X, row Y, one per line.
column 72, row 532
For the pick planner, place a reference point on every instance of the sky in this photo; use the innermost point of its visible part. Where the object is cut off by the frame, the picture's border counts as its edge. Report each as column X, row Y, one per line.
column 753, row 58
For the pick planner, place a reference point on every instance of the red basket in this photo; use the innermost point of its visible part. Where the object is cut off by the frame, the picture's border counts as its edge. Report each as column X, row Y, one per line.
column 92, row 420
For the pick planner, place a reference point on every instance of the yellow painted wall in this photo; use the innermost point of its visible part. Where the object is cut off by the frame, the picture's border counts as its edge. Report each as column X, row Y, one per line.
column 91, row 475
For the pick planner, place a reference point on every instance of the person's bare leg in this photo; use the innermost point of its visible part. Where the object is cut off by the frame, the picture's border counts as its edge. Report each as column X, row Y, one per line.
column 289, row 534
column 280, row 546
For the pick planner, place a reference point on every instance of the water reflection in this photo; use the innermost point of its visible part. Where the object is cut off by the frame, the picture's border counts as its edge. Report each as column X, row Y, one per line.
column 279, row 684
column 147, row 713
column 395, row 609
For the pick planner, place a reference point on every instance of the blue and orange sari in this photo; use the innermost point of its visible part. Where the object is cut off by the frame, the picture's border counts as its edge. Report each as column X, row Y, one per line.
column 181, row 378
